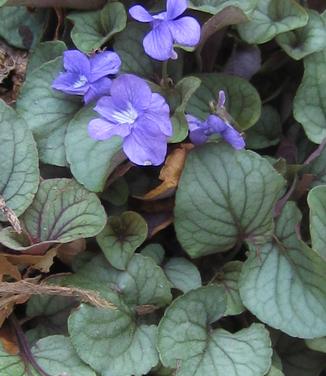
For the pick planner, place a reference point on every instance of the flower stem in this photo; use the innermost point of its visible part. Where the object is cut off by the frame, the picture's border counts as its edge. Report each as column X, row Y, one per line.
column 165, row 76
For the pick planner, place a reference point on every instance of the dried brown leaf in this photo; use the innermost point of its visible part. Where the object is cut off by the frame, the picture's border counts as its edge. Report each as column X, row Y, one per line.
column 170, row 174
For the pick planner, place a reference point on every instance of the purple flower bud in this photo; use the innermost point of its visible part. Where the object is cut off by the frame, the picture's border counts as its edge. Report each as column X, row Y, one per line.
column 87, row 75
column 201, row 130
column 140, row 117
column 167, row 29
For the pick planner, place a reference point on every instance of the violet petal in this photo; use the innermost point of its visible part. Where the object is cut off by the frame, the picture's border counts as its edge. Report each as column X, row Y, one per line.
column 98, row 89
column 140, row 14
column 103, row 64
column 76, row 61
column 185, row 31
column 174, row 8
column 100, row 129
column 158, row 43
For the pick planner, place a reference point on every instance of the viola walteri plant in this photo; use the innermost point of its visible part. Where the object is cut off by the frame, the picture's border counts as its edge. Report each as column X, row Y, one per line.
column 163, row 188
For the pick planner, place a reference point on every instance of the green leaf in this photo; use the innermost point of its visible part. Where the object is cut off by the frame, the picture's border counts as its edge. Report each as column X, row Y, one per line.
column 228, row 279
column 56, row 356
column 212, row 213
column 185, row 88
column 129, row 46
column 93, row 29
column 22, row 27
column 91, row 161
column 19, row 176
column 117, row 192
column 317, row 344
column 318, row 169
column 10, row 365
column 270, row 18
column 242, row 99
column 276, row 367
column 183, row 274
column 216, row 6
column 51, row 312
column 267, row 131
column 47, row 112
column 111, row 342
column 317, row 205
column 283, row 282
column 121, row 237
column 143, row 282
column 306, row 40
column 62, row 211
column 155, row 251
column 186, row 340
column 297, row 359
column 309, row 106
column 44, row 52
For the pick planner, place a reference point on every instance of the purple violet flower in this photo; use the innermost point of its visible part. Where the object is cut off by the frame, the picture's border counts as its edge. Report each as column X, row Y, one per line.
column 136, row 114
column 201, row 130
column 167, row 29
column 87, row 75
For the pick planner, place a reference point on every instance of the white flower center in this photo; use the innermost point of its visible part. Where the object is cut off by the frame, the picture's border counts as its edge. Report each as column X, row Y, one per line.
column 127, row 116
column 81, row 82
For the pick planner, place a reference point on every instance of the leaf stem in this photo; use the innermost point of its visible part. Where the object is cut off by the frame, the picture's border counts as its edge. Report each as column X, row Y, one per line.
column 25, row 351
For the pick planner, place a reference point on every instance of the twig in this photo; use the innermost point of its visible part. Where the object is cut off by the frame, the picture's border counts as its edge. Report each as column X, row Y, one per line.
column 8, row 289
column 10, row 215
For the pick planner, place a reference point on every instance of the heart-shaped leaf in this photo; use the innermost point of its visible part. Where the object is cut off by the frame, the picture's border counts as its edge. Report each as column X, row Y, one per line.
column 242, row 99
column 22, row 27
column 187, row 342
column 111, row 342
column 91, row 162
column 120, row 345
column 121, row 237
column 93, row 29
column 62, row 211
column 306, row 40
column 317, row 204
column 54, row 354
column 47, row 112
column 183, row 274
column 19, row 176
column 309, row 106
column 283, row 282
column 212, row 213
column 270, row 18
